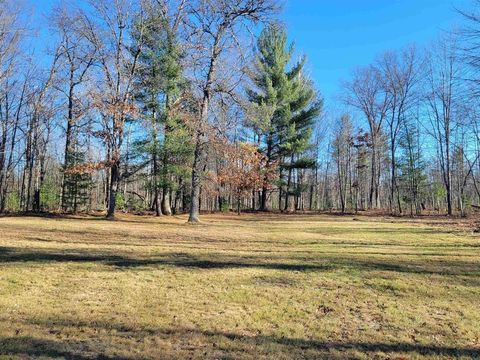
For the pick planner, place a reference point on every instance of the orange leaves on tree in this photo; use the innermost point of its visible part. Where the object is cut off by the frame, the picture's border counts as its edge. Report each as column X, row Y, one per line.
column 242, row 168
column 88, row 168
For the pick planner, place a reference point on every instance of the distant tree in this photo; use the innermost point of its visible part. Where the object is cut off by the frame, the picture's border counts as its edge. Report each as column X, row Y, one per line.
column 367, row 93
column 14, row 83
column 360, row 183
column 400, row 73
column 77, row 57
column 342, row 155
column 42, row 110
column 412, row 177
column 441, row 96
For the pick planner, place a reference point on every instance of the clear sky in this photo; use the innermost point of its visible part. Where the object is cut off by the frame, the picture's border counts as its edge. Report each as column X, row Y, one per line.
column 338, row 35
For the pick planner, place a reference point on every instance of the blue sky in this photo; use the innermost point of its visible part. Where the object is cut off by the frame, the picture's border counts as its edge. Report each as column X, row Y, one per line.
column 338, row 35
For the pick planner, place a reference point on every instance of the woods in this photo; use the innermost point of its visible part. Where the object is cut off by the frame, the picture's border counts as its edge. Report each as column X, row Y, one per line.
column 174, row 106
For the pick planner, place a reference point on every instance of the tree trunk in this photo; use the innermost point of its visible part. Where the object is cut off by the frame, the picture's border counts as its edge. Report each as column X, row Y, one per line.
column 114, row 183
column 196, row 179
column 373, row 176
column 263, row 200
column 156, row 202
column 198, row 159
column 238, row 205
column 166, row 207
column 156, row 192
column 287, row 206
column 68, row 140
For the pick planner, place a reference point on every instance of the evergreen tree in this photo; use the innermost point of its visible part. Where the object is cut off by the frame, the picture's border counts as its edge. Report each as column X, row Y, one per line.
column 77, row 183
column 159, row 88
column 412, row 167
column 148, row 89
column 288, row 105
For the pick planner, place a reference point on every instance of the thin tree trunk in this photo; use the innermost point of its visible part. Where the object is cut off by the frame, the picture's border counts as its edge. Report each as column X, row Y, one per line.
column 113, row 189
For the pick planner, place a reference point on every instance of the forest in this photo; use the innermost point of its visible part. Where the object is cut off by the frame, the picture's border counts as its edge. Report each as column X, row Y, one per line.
column 175, row 106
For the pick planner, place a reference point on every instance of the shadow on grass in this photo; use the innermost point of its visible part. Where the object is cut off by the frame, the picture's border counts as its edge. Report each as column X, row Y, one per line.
column 28, row 347
column 371, row 230
column 366, row 347
column 470, row 269
column 205, row 343
column 128, row 219
column 12, row 255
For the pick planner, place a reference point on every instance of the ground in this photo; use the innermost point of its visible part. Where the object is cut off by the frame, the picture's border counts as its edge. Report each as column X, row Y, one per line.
column 238, row 287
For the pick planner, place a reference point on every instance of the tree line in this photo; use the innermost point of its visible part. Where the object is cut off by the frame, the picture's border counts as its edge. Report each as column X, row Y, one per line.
column 176, row 106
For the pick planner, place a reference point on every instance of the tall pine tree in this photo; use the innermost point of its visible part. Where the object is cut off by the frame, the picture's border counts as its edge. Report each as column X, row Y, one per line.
column 159, row 88
column 288, row 107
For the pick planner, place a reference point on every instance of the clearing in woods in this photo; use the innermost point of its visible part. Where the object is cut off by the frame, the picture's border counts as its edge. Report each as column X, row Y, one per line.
column 248, row 287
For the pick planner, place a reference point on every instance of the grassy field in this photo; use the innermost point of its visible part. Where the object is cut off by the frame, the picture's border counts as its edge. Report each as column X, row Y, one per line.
column 248, row 287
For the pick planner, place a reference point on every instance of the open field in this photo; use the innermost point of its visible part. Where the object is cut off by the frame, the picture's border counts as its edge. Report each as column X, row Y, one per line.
column 249, row 287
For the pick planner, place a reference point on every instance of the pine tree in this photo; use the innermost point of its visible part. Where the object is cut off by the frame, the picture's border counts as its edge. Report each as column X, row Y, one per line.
column 411, row 167
column 287, row 107
column 159, row 86
column 77, row 183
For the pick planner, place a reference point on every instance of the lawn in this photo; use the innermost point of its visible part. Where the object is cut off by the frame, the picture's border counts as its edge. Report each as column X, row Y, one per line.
column 238, row 287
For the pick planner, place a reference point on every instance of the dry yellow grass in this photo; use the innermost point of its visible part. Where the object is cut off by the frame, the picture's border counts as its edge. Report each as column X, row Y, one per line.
column 249, row 287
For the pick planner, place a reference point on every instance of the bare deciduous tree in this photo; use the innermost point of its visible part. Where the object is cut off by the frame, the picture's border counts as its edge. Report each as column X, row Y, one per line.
column 442, row 96
column 367, row 93
column 107, row 31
